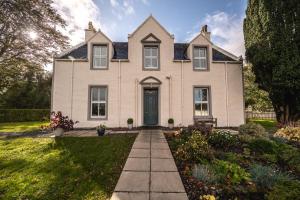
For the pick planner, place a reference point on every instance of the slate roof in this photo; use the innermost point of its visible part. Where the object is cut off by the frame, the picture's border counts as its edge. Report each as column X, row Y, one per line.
column 78, row 53
column 121, row 52
column 218, row 56
column 180, row 51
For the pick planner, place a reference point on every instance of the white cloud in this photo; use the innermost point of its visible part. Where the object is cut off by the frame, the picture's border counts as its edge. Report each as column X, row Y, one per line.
column 114, row 3
column 226, row 31
column 122, row 9
column 128, row 8
column 146, row 2
column 77, row 14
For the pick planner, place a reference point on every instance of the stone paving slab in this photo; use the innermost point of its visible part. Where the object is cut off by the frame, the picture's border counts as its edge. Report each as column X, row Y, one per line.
column 139, row 153
column 159, row 145
column 150, row 171
column 168, row 196
column 166, row 182
column 133, row 182
column 137, row 164
column 141, row 145
column 161, row 153
column 130, row 196
column 167, row 165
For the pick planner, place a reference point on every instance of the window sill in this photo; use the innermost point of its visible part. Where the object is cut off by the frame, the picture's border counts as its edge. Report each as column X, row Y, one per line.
column 99, row 68
column 97, row 118
column 151, row 69
column 201, row 70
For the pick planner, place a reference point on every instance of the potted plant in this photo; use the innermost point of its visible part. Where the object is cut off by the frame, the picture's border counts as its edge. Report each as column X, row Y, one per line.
column 171, row 123
column 129, row 123
column 101, row 129
column 60, row 123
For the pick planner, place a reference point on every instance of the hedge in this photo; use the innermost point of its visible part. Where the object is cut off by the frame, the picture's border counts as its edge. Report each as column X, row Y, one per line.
column 23, row 115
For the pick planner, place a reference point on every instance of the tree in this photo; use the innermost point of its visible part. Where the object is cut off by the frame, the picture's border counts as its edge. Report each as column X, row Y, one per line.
column 28, row 34
column 31, row 90
column 255, row 98
column 272, row 40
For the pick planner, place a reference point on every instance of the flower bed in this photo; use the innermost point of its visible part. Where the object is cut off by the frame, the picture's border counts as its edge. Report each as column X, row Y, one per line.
column 244, row 166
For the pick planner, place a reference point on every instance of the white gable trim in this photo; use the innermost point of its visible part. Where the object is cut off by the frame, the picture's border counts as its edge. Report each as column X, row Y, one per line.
column 150, row 17
column 100, row 33
column 202, row 37
column 216, row 47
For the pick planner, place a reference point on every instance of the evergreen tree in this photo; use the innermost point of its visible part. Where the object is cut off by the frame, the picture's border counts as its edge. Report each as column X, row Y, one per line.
column 255, row 98
column 272, row 40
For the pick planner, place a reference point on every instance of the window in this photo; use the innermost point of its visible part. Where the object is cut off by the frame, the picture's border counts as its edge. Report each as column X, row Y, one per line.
column 201, row 102
column 200, row 58
column 151, row 57
column 98, row 102
column 100, row 56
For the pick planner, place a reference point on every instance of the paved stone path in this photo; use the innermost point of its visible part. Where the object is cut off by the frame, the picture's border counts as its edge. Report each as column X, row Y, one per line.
column 150, row 172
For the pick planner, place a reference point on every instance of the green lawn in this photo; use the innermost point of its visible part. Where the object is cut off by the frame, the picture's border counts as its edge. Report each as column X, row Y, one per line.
column 21, row 126
column 268, row 124
column 62, row 168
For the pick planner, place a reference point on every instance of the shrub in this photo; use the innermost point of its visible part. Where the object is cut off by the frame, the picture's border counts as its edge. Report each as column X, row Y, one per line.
column 195, row 149
column 265, row 176
column 171, row 121
column 289, row 133
column 60, row 121
column 235, row 158
column 289, row 156
column 262, row 146
column 23, row 115
column 223, row 140
column 129, row 121
column 253, row 129
column 204, row 173
column 285, row 190
column 230, row 173
column 201, row 128
column 207, row 197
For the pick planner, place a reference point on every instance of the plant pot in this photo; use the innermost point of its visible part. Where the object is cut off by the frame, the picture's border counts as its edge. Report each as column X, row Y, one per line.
column 101, row 132
column 171, row 126
column 130, row 126
column 58, row 131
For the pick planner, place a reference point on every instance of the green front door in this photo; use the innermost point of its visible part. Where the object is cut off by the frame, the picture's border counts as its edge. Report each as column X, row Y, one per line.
column 150, row 107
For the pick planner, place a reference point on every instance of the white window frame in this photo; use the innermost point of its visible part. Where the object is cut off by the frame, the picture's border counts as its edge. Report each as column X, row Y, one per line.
column 198, row 57
column 151, row 57
column 201, row 102
column 100, row 56
column 98, row 102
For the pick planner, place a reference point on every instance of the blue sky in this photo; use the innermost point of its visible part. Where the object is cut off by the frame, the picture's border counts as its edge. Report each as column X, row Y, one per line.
column 118, row 18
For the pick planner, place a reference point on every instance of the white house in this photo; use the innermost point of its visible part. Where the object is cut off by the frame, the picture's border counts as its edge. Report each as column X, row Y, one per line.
column 149, row 78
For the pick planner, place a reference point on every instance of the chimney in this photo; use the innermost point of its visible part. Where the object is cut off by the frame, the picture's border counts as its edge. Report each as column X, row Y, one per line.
column 90, row 31
column 204, row 32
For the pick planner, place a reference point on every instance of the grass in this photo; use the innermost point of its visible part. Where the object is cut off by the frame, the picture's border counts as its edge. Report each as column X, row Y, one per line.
column 21, row 126
column 62, row 168
column 268, row 124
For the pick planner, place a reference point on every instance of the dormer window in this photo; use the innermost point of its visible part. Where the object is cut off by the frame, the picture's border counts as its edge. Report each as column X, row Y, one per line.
column 150, row 52
column 99, row 56
column 200, row 58
column 151, row 58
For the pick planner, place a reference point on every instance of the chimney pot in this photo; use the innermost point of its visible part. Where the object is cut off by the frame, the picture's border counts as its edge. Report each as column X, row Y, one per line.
column 90, row 31
column 204, row 32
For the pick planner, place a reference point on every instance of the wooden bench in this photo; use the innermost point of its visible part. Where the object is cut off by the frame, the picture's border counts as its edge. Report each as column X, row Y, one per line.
column 206, row 121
